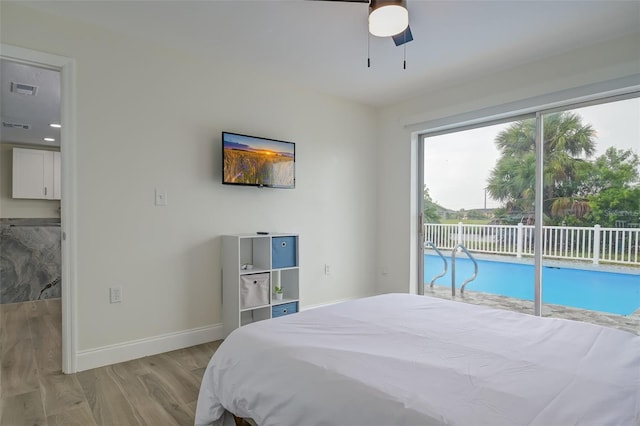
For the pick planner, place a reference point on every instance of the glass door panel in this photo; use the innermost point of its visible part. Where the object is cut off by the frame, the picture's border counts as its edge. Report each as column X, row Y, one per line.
column 591, row 207
column 478, row 199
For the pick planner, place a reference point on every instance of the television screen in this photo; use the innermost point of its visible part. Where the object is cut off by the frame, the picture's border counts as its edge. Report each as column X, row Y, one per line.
column 255, row 161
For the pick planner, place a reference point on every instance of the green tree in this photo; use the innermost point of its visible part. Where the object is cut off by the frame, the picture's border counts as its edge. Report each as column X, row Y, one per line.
column 567, row 144
column 430, row 209
column 616, row 168
column 611, row 186
column 613, row 205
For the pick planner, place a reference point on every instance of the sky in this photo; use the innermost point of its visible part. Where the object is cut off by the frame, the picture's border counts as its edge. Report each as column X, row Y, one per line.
column 457, row 165
column 261, row 143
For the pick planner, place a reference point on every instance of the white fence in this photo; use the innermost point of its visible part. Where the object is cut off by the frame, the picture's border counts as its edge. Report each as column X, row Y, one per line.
column 595, row 244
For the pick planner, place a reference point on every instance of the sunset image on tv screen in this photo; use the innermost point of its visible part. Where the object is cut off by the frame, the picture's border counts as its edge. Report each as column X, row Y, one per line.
column 255, row 161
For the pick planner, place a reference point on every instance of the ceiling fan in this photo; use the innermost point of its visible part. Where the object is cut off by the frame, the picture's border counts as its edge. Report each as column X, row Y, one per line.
column 388, row 18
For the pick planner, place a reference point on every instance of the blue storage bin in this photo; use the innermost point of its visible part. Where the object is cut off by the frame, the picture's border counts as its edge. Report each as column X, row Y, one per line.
column 284, row 253
column 284, row 309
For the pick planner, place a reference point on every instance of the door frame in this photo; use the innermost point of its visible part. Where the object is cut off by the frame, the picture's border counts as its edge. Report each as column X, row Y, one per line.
column 68, row 215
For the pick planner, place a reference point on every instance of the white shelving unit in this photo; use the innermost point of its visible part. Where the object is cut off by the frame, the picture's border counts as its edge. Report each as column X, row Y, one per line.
column 247, row 261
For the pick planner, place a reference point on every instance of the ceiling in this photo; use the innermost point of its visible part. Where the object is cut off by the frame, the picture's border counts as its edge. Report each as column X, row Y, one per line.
column 26, row 118
column 322, row 45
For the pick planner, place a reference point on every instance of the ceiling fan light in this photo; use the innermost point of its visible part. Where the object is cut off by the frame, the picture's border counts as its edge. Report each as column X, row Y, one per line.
column 387, row 18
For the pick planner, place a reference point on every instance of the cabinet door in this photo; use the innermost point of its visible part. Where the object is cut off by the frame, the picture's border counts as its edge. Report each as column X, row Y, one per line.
column 32, row 171
column 57, row 194
column 36, row 174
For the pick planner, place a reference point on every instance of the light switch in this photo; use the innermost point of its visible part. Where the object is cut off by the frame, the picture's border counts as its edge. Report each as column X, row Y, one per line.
column 161, row 198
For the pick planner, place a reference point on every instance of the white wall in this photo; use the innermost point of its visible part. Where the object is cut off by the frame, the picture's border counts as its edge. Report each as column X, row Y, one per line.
column 608, row 65
column 20, row 208
column 148, row 118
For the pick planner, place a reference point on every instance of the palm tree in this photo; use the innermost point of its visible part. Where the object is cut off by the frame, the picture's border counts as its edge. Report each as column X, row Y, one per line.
column 567, row 143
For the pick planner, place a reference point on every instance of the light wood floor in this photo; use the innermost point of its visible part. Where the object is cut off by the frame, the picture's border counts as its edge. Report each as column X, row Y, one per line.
column 156, row 390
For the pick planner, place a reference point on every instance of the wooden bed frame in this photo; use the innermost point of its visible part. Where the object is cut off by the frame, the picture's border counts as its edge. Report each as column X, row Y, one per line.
column 242, row 421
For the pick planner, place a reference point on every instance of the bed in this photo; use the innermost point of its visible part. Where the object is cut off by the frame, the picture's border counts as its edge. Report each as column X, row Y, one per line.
column 400, row 359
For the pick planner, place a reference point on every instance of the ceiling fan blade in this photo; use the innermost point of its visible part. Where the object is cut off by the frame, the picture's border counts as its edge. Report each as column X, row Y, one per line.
column 403, row 37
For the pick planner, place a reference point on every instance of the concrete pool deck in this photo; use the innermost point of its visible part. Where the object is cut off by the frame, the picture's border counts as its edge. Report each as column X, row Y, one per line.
column 629, row 323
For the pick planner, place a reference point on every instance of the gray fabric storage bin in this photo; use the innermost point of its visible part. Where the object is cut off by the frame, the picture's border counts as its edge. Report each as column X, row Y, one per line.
column 254, row 290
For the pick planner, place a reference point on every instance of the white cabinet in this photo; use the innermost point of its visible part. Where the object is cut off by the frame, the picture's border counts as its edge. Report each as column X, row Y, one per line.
column 252, row 267
column 36, row 174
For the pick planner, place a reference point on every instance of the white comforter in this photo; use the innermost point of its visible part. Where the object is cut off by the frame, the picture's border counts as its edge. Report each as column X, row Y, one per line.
column 400, row 359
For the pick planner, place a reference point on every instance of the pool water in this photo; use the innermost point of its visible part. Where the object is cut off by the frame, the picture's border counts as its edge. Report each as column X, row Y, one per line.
column 611, row 292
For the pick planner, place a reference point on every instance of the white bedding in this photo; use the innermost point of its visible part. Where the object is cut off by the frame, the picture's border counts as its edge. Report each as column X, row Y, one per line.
column 401, row 359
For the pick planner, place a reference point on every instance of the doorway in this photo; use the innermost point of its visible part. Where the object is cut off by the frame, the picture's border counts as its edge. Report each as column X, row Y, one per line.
column 30, row 209
column 66, row 68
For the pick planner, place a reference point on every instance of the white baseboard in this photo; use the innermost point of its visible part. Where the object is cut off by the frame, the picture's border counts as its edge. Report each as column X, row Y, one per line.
column 134, row 349
column 121, row 352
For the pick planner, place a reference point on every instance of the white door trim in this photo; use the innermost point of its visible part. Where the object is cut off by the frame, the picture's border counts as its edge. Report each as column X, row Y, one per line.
column 67, row 68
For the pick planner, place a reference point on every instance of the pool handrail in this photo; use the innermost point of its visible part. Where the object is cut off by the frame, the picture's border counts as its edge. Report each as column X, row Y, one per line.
column 453, row 269
column 444, row 272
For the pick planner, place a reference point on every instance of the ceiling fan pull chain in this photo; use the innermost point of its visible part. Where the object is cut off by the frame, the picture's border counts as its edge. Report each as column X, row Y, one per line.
column 405, row 57
column 368, row 50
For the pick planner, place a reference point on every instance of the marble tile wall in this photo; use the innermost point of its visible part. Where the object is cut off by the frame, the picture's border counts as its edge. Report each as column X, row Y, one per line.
column 30, row 262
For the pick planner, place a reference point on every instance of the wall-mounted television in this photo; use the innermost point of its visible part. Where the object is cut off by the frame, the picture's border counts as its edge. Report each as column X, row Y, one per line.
column 256, row 161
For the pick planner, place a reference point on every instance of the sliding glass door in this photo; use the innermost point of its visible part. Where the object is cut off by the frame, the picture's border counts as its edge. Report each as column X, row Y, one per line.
column 550, row 198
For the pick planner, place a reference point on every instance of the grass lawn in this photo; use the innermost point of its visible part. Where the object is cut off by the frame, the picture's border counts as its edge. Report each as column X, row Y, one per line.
column 465, row 221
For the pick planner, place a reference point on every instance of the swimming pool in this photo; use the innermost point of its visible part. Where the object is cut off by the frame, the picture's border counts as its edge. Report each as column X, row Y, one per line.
column 612, row 292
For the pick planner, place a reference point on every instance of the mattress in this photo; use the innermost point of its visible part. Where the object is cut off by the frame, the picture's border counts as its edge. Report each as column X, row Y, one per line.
column 400, row 359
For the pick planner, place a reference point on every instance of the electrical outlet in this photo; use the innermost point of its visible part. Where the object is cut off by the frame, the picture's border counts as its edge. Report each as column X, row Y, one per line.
column 115, row 295
column 327, row 269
